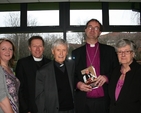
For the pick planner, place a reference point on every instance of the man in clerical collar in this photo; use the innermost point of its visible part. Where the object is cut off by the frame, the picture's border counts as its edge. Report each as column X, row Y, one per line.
column 26, row 72
column 54, row 83
column 104, row 59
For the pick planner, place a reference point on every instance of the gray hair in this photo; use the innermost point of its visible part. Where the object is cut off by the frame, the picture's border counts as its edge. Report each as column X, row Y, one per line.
column 124, row 42
column 60, row 42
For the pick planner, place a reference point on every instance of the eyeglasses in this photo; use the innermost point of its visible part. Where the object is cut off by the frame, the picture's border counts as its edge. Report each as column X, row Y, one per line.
column 124, row 52
column 93, row 28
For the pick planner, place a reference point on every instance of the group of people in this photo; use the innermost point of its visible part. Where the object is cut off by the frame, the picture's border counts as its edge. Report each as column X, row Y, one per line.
column 41, row 85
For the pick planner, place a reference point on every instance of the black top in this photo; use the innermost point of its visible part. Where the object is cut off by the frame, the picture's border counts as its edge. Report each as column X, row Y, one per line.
column 60, row 66
column 64, row 90
column 26, row 72
column 129, row 99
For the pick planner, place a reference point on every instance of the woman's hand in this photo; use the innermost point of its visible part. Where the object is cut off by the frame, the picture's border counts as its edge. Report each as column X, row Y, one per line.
column 6, row 106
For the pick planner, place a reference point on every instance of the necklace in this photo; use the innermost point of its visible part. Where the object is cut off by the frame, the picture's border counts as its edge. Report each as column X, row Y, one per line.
column 91, row 62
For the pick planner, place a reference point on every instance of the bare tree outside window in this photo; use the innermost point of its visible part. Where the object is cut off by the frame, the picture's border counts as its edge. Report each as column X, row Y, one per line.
column 20, row 39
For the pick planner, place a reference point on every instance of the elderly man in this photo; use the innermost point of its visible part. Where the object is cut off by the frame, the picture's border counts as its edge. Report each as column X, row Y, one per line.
column 54, row 82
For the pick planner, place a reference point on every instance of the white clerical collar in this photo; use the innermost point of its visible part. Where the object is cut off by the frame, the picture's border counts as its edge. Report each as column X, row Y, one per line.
column 37, row 59
column 92, row 45
column 61, row 65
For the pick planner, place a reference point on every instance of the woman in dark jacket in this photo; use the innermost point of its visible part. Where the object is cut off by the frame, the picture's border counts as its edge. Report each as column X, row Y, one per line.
column 125, row 83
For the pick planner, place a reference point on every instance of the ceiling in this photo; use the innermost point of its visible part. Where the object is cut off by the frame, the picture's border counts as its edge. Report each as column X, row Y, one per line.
column 32, row 1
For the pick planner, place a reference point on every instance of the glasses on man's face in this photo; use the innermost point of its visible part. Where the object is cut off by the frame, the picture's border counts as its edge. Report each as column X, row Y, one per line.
column 96, row 28
column 124, row 52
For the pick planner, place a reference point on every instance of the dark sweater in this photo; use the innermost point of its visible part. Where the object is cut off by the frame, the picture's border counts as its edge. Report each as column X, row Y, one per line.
column 64, row 90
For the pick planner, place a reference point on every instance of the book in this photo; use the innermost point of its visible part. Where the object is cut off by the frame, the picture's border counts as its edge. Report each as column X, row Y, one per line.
column 89, row 76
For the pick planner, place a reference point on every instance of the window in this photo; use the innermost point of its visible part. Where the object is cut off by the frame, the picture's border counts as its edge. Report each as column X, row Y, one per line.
column 9, row 15
column 43, row 18
column 112, row 37
column 124, row 13
column 80, row 17
column 80, row 13
column 20, row 42
column 43, row 14
column 77, row 39
column 124, row 17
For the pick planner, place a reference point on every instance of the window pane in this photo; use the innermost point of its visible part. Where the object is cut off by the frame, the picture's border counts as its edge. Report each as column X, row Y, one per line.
column 124, row 17
column 43, row 18
column 10, row 19
column 80, row 17
column 76, row 39
column 21, row 44
column 112, row 38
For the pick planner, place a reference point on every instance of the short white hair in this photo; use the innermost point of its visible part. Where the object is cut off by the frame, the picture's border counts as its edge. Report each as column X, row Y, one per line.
column 60, row 42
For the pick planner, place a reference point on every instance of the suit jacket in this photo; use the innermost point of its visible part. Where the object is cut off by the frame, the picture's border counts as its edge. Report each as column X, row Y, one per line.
column 108, row 60
column 129, row 100
column 26, row 72
column 46, row 87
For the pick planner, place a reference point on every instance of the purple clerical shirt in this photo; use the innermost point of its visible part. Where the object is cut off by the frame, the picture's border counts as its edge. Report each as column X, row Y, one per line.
column 93, row 58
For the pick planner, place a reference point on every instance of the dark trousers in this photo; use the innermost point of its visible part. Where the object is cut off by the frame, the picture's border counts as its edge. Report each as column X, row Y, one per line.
column 69, row 111
column 95, row 105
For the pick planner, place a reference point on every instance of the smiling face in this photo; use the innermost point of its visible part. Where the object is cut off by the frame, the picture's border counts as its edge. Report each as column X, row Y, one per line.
column 36, row 48
column 92, row 30
column 125, row 55
column 60, row 52
column 6, row 51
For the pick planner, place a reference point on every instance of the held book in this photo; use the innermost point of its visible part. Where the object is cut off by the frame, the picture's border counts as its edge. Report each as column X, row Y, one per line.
column 89, row 76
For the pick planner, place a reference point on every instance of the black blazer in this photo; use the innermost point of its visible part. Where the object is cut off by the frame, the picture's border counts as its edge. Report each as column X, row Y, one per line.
column 26, row 72
column 46, row 87
column 129, row 100
column 108, row 60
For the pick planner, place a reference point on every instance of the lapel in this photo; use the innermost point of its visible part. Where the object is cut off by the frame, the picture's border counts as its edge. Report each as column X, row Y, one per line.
column 83, row 56
column 51, row 79
column 126, row 86
column 101, row 51
column 113, row 82
column 69, row 70
column 102, row 57
column 127, row 82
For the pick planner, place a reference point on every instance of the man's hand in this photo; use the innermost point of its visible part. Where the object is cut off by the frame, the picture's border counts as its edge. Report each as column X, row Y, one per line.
column 84, row 87
column 100, row 80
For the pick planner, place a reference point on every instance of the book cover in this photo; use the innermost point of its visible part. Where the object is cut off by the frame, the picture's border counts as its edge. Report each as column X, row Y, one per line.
column 89, row 76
